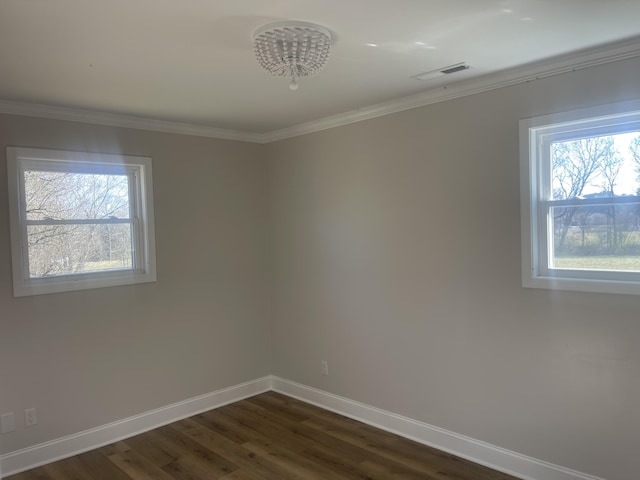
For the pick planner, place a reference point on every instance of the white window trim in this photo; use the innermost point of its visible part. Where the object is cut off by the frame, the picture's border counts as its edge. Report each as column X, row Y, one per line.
column 143, row 221
column 534, row 133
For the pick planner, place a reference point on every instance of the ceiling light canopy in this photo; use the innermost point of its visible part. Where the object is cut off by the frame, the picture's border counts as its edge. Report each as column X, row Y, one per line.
column 292, row 49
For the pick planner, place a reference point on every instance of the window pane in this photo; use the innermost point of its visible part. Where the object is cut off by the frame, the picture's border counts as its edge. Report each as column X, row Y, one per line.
column 595, row 167
column 70, row 249
column 596, row 237
column 74, row 196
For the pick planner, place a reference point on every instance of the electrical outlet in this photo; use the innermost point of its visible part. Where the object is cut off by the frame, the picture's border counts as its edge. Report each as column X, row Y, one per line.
column 324, row 367
column 7, row 423
column 30, row 418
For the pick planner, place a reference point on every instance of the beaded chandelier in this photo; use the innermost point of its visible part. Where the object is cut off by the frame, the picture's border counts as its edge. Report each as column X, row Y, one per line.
column 292, row 49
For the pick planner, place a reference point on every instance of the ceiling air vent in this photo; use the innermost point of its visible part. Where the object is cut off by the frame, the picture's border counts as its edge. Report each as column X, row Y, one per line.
column 458, row 67
column 455, row 68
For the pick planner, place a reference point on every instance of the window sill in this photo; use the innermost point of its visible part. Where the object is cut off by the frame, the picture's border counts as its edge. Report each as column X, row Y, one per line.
column 81, row 282
column 583, row 285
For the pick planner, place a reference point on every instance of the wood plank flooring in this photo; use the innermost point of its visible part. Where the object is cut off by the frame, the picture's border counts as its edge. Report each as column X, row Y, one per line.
column 266, row 437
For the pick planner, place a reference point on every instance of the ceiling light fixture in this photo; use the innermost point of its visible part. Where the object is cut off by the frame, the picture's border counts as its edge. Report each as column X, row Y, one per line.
column 292, row 49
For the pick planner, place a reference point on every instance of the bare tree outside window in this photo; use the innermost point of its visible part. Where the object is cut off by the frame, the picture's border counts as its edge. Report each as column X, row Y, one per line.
column 634, row 150
column 77, row 222
column 598, row 227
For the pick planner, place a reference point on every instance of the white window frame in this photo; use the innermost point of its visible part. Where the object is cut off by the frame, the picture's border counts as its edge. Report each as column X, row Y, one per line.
column 536, row 136
column 137, row 168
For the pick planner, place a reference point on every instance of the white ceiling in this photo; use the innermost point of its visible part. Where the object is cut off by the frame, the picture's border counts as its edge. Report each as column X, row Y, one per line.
column 192, row 61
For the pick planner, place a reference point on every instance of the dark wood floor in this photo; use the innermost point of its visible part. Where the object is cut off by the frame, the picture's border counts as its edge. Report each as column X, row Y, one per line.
column 269, row 436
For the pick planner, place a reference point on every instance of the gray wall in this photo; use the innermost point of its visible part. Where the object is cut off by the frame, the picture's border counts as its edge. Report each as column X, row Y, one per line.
column 87, row 358
column 396, row 253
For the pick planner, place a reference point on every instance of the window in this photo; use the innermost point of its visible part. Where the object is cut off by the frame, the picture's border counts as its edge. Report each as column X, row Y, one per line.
column 79, row 220
column 581, row 200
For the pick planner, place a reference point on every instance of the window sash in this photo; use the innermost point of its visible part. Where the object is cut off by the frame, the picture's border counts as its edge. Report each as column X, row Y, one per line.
column 546, row 241
column 591, row 202
column 135, row 226
column 87, row 168
column 87, row 221
column 79, row 167
column 70, row 165
column 546, row 203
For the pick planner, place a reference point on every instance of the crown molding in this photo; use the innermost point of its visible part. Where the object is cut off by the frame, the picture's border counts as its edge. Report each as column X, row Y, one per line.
column 125, row 121
column 527, row 73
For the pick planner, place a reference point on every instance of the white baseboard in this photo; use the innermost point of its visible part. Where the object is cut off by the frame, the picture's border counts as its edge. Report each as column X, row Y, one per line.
column 498, row 458
column 64, row 447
